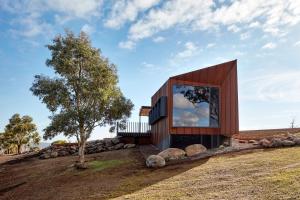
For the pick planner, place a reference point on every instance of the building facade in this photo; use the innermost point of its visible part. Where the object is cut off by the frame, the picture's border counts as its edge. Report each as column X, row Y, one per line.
column 196, row 107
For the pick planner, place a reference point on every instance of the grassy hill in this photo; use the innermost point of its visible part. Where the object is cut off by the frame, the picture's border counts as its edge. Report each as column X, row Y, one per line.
column 259, row 174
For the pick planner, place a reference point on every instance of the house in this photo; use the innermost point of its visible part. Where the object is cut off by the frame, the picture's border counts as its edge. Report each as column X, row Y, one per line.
column 195, row 107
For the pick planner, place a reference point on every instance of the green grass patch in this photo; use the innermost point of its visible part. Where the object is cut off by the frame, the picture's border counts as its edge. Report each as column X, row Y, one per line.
column 99, row 165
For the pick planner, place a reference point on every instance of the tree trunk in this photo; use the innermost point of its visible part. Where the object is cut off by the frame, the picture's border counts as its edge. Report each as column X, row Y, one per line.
column 81, row 151
column 19, row 149
column 82, row 145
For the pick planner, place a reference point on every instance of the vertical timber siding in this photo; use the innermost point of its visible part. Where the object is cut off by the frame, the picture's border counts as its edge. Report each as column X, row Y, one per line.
column 160, row 133
column 223, row 76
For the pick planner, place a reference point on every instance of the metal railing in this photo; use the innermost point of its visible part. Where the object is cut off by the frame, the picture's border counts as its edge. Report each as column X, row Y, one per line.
column 134, row 129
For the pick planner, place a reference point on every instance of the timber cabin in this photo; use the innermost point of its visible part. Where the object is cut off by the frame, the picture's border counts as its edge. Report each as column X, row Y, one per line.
column 198, row 107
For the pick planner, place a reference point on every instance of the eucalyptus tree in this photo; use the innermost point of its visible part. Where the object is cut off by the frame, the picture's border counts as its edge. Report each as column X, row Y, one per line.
column 20, row 131
column 84, row 93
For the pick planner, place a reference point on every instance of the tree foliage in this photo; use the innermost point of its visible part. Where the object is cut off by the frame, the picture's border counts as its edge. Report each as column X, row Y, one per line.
column 84, row 94
column 18, row 132
column 197, row 95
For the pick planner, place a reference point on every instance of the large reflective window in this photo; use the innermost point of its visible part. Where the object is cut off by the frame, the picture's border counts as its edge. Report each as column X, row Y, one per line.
column 195, row 106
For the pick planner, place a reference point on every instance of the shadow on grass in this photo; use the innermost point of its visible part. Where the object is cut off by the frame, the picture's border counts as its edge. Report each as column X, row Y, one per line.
column 142, row 177
column 110, row 175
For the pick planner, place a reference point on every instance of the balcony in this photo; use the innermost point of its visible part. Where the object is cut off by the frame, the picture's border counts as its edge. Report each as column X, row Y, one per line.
column 134, row 129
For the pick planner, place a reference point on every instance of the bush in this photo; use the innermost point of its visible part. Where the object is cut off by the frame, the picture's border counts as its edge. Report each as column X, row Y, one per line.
column 59, row 142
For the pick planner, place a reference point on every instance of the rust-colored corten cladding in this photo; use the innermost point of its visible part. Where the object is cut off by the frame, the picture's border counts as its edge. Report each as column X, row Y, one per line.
column 222, row 76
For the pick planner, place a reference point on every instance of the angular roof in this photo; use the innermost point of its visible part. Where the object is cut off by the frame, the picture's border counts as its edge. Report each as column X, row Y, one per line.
column 215, row 74
column 144, row 110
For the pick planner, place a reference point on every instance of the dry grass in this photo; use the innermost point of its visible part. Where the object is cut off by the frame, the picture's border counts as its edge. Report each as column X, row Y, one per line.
column 272, row 174
column 260, row 174
column 260, row 134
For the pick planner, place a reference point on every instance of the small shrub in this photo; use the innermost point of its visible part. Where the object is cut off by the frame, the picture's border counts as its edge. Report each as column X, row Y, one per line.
column 59, row 142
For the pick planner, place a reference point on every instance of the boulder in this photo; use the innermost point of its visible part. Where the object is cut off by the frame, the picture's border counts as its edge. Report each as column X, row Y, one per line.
column 127, row 146
column 195, row 149
column 72, row 152
column 226, row 143
column 115, row 140
column 118, row 146
column 297, row 141
column 242, row 141
column 100, row 149
column 45, row 156
column 252, row 141
column 276, row 142
column 107, row 142
column 291, row 137
column 288, row 143
column 265, row 143
column 63, row 153
column 155, row 161
column 110, row 148
column 172, row 154
column 53, row 154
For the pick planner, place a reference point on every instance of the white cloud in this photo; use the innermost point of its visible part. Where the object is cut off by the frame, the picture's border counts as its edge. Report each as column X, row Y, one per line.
column 269, row 45
column 186, row 119
column 297, row 44
column 88, row 29
column 283, row 86
column 190, row 50
column 32, row 26
column 127, row 45
column 76, row 8
column 181, row 102
column 234, row 28
column 147, row 65
column 177, row 12
column 186, row 115
column 128, row 10
column 30, row 20
column 159, row 39
column 273, row 17
column 244, row 36
column 210, row 45
column 255, row 24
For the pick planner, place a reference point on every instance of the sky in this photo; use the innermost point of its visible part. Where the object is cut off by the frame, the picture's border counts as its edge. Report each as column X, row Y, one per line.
column 151, row 40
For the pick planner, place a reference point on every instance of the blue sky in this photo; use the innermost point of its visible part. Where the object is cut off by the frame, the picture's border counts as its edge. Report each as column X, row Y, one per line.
column 151, row 40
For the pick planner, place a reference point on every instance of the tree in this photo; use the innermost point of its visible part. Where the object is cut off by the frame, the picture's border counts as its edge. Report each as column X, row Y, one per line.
column 18, row 132
column 6, row 145
column 84, row 94
column 293, row 123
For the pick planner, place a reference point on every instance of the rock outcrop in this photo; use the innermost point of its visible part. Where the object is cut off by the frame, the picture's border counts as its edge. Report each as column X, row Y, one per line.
column 95, row 146
column 288, row 141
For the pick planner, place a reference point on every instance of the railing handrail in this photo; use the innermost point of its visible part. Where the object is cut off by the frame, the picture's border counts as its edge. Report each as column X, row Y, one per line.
column 134, row 127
